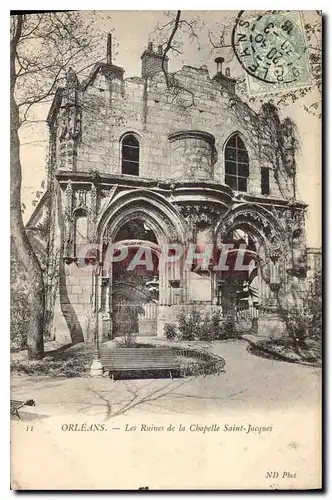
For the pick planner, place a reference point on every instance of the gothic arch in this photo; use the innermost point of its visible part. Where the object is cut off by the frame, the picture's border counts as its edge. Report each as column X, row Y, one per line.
column 148, row 206
column 245, row 138
column 130, row 130
column 262, row 224
column 260, row 219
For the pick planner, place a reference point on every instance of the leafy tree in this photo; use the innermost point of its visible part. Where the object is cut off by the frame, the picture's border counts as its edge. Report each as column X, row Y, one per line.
column 42, row 47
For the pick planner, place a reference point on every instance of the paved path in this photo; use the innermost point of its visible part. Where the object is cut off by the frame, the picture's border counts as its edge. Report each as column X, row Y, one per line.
column 249, row 383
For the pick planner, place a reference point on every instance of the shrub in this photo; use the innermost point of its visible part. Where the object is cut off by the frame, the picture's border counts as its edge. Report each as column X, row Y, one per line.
column 304, row 323
column 127, row 340
column 189, row 326
column 215, row 326
column 228, row 327
column 200, row 363
column 170, row 331
column 129, row 322
column 195, row 326
column 69, row 367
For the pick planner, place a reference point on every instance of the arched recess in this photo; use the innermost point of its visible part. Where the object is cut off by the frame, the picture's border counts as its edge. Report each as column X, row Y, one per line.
column 265, row 229
column 259, row 219
column 80, row 228
column 160, row 217
column 154, row 209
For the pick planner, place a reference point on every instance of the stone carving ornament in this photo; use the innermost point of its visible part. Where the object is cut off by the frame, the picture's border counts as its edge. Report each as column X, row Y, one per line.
column 199, row 216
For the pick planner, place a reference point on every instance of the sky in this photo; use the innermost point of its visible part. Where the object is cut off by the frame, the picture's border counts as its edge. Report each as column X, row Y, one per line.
column 132, row 31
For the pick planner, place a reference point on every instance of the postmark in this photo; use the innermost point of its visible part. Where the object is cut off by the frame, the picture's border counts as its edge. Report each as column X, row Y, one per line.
column 272, row 48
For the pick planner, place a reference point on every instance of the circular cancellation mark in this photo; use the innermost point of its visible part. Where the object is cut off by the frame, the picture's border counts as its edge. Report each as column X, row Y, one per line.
column 270, row 46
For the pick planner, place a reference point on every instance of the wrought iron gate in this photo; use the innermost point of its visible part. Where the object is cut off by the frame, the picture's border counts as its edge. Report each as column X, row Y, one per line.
column 137, row 318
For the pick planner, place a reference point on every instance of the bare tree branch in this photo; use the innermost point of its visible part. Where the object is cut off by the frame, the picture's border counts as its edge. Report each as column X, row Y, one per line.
column 169, row 44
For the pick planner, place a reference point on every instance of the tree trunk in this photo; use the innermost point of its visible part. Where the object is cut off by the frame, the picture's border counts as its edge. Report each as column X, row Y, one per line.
column 29, row 267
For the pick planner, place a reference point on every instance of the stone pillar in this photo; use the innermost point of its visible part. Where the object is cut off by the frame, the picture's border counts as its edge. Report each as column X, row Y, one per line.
column 69, row 123
column 163, row 285
column 96, row 369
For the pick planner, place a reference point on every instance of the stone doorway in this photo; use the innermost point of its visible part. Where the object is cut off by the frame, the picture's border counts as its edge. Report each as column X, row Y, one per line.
column 135, row 291
column 240, row 292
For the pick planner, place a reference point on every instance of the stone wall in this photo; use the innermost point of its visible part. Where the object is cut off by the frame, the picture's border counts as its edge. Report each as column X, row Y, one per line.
column 110, row 106
column 182, row 129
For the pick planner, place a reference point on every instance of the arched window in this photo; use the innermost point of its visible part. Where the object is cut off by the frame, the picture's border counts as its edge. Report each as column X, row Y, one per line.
column 236, row 164
column 130, row 155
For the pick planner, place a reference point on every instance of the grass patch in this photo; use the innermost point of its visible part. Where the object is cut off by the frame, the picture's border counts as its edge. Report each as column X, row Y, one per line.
column 196, row 361
column 193, row 366
column 72, row 362
column 283, row 349
column 75, row 361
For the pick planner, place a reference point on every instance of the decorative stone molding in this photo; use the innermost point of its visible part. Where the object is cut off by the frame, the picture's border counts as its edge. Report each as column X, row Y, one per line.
column 150, row 207
column 80, row 199
column 264, row 226
column 69, row 122
column 275, row 250
column 199, row 216
column 191, row 134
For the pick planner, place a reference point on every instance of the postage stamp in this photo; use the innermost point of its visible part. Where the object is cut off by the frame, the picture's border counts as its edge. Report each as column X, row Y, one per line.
column 272, row 48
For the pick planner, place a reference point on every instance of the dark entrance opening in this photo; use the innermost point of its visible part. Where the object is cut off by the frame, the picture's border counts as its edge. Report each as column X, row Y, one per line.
column 135, row 292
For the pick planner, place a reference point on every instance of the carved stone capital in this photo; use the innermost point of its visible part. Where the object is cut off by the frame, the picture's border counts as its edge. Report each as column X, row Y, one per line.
column 200, row 215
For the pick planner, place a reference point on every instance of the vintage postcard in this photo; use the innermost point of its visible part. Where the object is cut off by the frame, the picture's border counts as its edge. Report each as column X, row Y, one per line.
column 166, row 288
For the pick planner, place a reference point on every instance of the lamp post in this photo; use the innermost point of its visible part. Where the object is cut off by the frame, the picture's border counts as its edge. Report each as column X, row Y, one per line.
column 96, row 369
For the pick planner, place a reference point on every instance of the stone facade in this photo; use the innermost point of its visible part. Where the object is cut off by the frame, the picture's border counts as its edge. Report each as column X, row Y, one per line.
column 182, row 126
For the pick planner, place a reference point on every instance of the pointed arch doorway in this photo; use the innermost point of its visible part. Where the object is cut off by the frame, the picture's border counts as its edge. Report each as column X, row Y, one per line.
column 240, row 292
column 135, row 288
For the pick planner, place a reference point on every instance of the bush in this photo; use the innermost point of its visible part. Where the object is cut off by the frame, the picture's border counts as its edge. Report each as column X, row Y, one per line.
column 198, row 362
column 129, row 324
column 228, row 327
column 170, row 331
column 304, row 323
column 74, row 361
column 189, row 326
column 69, row 367
column 195, row 326
column 283, row 349
column 127, row 340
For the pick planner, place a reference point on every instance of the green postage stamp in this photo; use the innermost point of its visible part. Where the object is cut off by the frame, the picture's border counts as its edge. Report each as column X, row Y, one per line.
column 272, row 48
